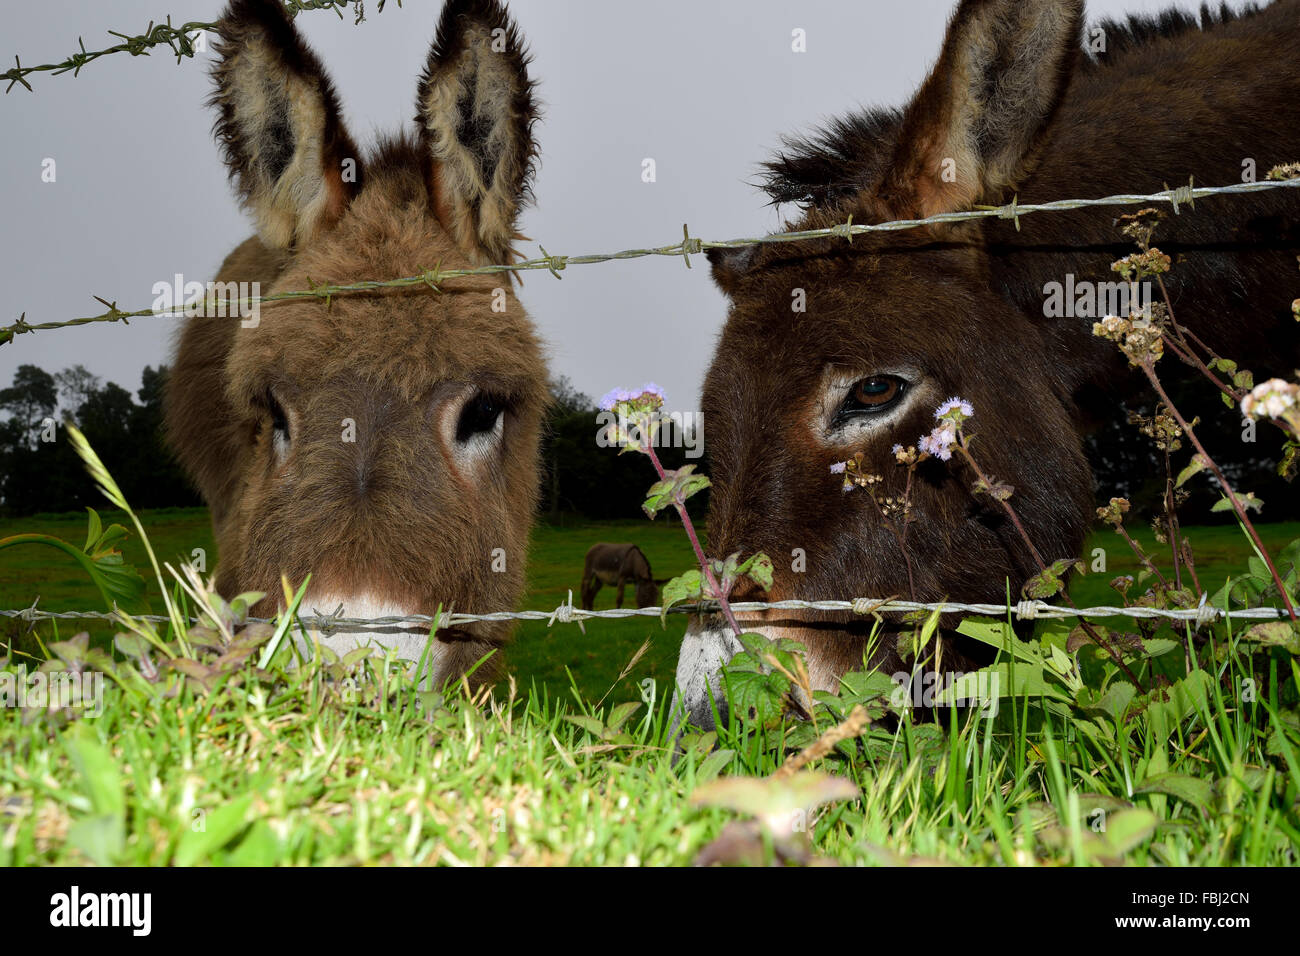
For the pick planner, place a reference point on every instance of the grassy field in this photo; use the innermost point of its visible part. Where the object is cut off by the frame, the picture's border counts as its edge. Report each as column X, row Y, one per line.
column 200, row 757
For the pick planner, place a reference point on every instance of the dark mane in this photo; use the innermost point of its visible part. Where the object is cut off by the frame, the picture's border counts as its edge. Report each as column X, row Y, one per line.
column 1138, row 29
column 849, row 154
column 834, row 162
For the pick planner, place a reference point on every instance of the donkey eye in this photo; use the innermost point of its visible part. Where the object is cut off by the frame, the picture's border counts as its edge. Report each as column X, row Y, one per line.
column 871, row 395
column 481, row 414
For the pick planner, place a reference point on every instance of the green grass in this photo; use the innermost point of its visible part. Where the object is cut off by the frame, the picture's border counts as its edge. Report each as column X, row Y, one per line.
column 291, row 765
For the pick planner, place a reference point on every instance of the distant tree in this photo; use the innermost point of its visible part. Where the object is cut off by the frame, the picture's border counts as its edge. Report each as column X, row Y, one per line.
column 30, row 400
column 76, row 386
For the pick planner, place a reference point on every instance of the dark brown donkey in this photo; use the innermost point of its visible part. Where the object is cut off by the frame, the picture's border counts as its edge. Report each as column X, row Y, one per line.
column 897, row 322
column 385, row 443
column 616, row 565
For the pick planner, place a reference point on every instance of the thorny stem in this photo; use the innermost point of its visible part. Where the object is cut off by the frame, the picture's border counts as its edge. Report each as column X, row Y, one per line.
column 1172, row 520
column 1142, row 555
column 695, row 543
column 1148, row 368
column 1042, row 565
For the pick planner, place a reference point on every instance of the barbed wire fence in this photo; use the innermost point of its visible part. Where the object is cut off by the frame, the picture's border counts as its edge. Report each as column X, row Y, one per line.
column 179, row 40
column 1203, row 614
column 182, row 43
column 434, row 277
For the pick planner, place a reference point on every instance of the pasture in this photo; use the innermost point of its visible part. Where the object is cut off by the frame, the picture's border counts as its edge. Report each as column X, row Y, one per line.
column 567, row 764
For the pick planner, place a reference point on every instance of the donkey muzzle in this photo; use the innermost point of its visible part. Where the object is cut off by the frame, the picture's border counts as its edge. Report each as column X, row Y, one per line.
column 705, row 648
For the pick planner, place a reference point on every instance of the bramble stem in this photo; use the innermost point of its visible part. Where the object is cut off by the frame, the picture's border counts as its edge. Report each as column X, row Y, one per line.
column 1148, row 368
column 1042, row 566
column 695, row 543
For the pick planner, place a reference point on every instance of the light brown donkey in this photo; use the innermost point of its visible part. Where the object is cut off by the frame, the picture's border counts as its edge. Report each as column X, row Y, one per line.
column 385, row 443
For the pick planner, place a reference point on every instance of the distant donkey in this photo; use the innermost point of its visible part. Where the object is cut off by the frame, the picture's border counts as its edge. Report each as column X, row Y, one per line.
column 386, row 443
column 616, row 565
column 896, row 322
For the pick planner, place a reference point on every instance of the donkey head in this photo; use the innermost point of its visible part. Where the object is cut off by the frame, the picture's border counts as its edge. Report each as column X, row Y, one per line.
column 383, row 442
column 832, row 348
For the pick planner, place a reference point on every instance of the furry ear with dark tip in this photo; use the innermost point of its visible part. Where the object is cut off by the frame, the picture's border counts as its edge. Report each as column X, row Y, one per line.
column 279, row 125
column 971, row 130
column 475, row 112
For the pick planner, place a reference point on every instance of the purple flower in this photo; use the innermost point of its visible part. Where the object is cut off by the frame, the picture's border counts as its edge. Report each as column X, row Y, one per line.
column 960, row 406
column 939, row 442
column 613, row 397
column 838, row 468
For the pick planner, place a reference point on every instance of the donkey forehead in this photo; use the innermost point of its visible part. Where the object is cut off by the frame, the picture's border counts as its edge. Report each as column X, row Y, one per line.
column 835, row 304
column 408, row 341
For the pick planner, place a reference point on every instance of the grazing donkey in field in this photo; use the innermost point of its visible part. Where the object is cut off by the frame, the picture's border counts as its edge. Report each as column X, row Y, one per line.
column 385, row 443
column 896, row 322
column 616, row 565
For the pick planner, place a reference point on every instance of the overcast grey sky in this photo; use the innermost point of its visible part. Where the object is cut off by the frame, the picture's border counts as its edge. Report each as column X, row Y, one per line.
column 704, row 88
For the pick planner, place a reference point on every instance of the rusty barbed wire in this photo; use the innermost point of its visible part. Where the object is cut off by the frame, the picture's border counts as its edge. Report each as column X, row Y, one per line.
column 178, row 39
column 434, row 278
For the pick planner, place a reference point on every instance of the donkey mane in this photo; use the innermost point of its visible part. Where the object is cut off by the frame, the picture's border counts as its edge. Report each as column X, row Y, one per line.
column 848, row 154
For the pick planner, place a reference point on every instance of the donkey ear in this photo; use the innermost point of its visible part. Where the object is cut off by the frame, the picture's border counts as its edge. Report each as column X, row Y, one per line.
column 972, row 128
column 279, row 125
column 476, row 113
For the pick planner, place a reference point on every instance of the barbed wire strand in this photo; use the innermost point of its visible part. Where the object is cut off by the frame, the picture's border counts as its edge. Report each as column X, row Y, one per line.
column 178, row 39
column 567, row 613
column 434, row 278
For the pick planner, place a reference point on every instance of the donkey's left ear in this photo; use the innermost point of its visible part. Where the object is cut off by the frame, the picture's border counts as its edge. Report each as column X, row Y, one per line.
column 972, row 129
column 476, row 113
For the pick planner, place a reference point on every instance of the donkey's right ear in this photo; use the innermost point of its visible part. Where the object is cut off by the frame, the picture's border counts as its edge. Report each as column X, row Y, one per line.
column 475, row 115
column 972, row 130
column 279, row 125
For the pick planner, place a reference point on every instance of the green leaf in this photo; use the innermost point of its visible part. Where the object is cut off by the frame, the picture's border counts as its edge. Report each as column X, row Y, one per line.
column 685, row 587
column 1194, row 467
column 758, row 569
column 259, row 847
column 1129, row 829
column 1248, row 503
column 619, row 715
column 119, row 584
column 94, row 530
column 712, row 765
column 97, row 771
column 1275, row 634
column 102, row 838
column 592, row 725
column 755, row 696
column 1113, row 702
column 218, row 828
column 1193, row 790
column 674, row 488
